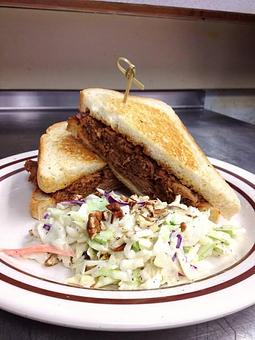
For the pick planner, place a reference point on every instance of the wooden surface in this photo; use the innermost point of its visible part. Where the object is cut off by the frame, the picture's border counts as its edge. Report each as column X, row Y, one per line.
column 138, row 8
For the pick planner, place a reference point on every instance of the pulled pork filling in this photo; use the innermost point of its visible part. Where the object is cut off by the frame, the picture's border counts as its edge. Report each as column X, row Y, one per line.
column 132, row 163
column 84, row 186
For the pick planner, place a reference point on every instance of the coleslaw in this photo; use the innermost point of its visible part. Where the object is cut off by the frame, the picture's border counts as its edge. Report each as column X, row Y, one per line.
column 129, row 243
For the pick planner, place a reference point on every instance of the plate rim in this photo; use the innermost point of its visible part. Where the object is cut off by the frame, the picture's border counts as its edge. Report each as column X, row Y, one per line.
column 26, row 155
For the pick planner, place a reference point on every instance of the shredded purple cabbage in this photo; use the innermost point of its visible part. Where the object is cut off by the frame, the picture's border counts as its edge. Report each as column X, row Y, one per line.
column 78, row 202
column 47, row 226
column 85, row 255
column 179, row 241
column 174, row 257
column 111, row 199
column 46, row 215
column 192, row 265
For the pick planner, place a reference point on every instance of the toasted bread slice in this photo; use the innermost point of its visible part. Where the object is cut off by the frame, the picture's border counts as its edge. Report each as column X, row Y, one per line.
column 39, row 203
column 63, row 160
column 154, row 125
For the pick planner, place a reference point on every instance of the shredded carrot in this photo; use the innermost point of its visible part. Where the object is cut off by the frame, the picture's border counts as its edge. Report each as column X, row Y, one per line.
column 40, row 248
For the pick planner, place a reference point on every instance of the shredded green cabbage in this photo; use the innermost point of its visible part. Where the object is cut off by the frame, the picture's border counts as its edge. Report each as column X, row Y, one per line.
column 138, row 249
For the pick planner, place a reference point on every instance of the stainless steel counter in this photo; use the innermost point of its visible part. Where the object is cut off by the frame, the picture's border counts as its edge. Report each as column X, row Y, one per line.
column 219, row 136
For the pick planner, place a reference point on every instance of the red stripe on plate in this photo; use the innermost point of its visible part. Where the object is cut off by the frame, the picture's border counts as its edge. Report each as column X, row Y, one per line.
column 170, row 298
column 201, row 292
column 235, row 175
column 242, row 193
column 16, row 161
column 11, row 173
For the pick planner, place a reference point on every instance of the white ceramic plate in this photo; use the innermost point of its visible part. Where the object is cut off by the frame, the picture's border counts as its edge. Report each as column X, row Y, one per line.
column 28, row 289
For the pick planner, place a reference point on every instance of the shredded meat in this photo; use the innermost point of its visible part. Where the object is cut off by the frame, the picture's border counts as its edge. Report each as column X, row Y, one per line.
column 103, row 179
column 84, row 186
column 131, row 162
column 31, row 167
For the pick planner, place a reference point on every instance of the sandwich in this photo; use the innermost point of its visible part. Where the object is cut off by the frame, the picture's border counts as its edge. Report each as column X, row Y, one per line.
column 149, row 150
column 65, row 171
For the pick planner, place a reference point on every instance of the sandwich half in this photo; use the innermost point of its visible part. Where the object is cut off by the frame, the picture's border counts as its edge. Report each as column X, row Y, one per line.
column 65, row 170
column 149, row 150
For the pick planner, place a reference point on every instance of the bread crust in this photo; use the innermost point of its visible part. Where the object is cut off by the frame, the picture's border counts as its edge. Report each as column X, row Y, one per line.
column 155, row 126
column 63, row 159
column 39, row 203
